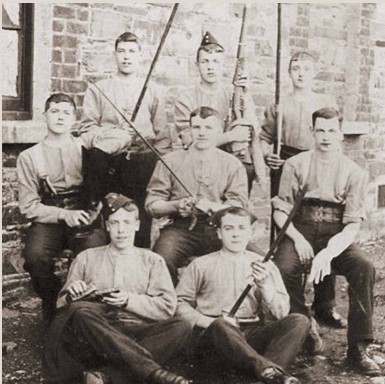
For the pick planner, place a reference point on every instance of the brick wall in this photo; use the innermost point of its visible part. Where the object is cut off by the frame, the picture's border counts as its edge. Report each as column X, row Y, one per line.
column 347, row 38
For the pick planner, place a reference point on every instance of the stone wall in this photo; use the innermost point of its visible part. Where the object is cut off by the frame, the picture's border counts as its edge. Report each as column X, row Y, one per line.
column 74, row 44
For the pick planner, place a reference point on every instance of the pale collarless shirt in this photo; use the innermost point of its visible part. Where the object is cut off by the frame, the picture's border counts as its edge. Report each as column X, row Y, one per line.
column 140, row 272
column 211, row 284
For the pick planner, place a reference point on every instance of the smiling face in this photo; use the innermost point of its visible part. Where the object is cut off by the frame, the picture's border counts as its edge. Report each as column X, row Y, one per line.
column 127, row 55
column 302, row 73
column 235, row 232
column 122, row 226
column 205, row 131
column 327, row 134
column 210, row 65
column 60, row 117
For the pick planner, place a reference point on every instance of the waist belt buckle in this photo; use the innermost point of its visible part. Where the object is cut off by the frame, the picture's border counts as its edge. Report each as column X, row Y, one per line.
column 319, row 214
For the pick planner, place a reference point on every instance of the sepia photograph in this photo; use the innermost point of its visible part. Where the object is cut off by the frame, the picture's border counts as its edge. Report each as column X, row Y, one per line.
column 193, row 193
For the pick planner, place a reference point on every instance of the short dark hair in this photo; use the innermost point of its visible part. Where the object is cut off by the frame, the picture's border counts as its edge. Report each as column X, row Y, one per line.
column 326, row 113
column 204, row 112
column 302, row 55
column 59, row 98
column 127, row 36
column 237, row 211
column 210, row 48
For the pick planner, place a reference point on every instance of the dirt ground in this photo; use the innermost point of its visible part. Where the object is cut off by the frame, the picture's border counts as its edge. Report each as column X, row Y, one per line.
column 23, row 337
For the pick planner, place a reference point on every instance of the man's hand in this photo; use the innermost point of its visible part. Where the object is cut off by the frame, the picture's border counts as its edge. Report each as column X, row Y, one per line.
column 185, row 206
column 273, row 161
column 74, row 218
column 231, row 320
column 77, row 288
column 321, row 266
column 259, row 272
column 117, row 299
column 243, row 81
column 241, row 130
column 304, row 250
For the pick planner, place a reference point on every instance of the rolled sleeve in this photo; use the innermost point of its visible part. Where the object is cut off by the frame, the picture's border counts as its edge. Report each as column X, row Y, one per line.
column 236, row 191
column 159, row 186
column 159, row 302
column 288, row 189
column 355, row 199
column 186, row 290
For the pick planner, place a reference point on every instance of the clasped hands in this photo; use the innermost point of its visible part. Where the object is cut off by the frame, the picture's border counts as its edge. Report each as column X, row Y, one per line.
column 186, row 205
column 118, row 298
column 320, row 263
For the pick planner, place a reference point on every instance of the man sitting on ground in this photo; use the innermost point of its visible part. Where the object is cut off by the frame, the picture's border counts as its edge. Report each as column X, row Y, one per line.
column 261, row 339
column 124, row 329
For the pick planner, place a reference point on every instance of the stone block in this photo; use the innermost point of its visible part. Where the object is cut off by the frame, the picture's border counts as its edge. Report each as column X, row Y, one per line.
column 76, row 28
column 83, row 15
column 107, row 24
column 70, row 56
column 69, row 71
column 56, row 85
column 58, row 26
column 60, row 41
column 65, row 12
column 74, row 86
column 57, row 56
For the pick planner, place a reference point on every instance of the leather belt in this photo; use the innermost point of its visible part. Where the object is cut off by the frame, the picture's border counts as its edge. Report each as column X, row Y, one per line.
column 320, row 211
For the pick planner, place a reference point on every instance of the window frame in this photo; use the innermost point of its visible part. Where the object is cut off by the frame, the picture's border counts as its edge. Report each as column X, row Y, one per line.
column 20, row 108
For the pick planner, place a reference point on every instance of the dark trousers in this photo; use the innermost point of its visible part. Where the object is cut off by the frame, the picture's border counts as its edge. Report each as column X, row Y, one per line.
column 126, row 349
column 252, row 348
column 352, row 263
column 176, row 243
column 104, row 173
column 43, row 244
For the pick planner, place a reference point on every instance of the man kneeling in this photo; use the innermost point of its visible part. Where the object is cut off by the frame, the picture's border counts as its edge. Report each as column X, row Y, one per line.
column 124, row 328
column 261, row 340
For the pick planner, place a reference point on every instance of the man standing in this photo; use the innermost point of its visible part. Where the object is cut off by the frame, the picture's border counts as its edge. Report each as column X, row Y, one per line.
column 128, row 328
column 129, row 175
column 214, row 178
column 51, row 195
column 323, row 232
column 261, row 339
column 213, row 92
column 296, row 137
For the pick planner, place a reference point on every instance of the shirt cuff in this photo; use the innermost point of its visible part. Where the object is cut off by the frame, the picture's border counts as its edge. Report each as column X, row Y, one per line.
column 281, row 205
column 204, row 321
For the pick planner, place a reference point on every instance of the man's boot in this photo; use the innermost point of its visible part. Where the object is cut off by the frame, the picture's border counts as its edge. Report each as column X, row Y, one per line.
column 314, row 343
column 359, row 359
column 276, row 375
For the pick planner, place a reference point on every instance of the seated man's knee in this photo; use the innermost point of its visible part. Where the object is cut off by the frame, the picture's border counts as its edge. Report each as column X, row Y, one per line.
column 299, row 321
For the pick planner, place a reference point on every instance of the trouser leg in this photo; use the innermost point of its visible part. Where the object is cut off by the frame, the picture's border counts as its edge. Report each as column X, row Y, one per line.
column 43, row 243
column 281, row 340
column 231, row 346
column 162, row 339
column 117, row 348
column 175, row 245
column 291, row 268
column 324, row 294
column 359, row 273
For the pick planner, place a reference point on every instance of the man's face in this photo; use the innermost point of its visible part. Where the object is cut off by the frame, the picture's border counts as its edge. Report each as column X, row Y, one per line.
column 127, row 55
column 302, row 73
column 205, row 132
column 122, row 226
column 60, row 117
column 235, row 232
column 210, row 65
column 327, row 134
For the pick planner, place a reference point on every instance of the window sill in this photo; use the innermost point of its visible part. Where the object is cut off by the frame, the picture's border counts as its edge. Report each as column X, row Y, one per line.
column 23, row 132
column 355, row 128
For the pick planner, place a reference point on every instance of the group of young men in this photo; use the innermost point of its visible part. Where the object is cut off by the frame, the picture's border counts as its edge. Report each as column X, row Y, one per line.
column 125, row 310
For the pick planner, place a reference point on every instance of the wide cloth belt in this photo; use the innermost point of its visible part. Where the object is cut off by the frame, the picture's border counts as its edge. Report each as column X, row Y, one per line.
column 321, row 211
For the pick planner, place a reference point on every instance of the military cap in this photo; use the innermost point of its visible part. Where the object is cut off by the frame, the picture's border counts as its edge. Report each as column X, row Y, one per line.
column 208, row 39
column 113, row 201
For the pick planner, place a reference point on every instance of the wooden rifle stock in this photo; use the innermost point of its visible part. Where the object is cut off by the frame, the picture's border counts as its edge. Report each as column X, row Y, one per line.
column 273, row 247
